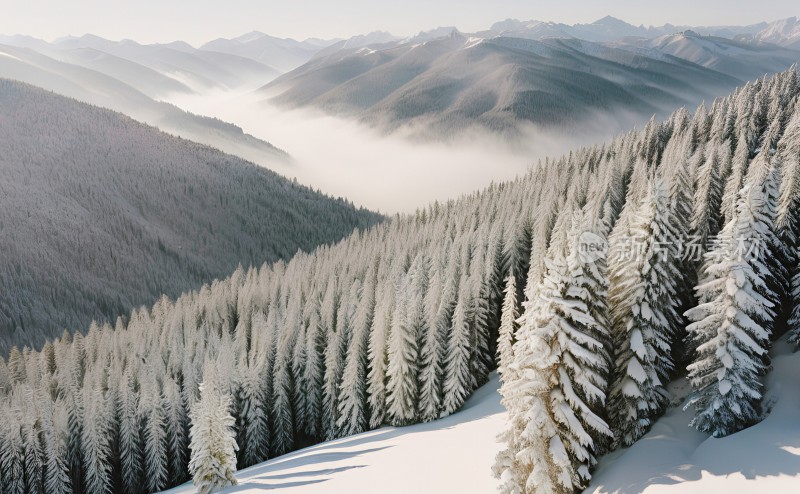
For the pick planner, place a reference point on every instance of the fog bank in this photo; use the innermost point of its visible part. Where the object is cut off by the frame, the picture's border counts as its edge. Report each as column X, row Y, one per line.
column 386, row 173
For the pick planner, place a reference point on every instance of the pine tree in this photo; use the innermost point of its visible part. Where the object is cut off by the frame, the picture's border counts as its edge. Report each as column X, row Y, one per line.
column 96, row 443
column 731, row 327
column 458, row 382
column 642, row 295
column 283, row 383
column 555, row 385
column 376, row 378
column 130, row 444
column 441, row 300
column 213, row 440
column 54, row 430
column 508, row 326
column 155, row 438
column 353, row 413
column 255, row 421
column 176, row 426
column 11, row 455
column 402, row 371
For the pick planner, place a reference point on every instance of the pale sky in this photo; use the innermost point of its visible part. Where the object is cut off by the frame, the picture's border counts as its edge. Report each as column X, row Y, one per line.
column 198, row 21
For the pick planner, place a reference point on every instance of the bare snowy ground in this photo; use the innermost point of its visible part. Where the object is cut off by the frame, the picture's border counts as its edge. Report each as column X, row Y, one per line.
column 455, row 454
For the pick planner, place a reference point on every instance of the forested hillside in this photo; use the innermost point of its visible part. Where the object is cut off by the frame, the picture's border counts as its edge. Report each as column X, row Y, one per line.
column 400, row 323
column 100, row 214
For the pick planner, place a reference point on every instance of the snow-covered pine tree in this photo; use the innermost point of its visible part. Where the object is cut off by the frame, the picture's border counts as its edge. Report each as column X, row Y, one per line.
column 130, row 442
column 334, row 360
column 54, row 430
column 730, row 327
column 458, row 382
column 402, row 371
column 353, row 413
column 155, row 439
column 176, row 423
column 381, row 327
column 642, row 297
column 314, row 371
column 11, row 454
column 34, row 461
column 213, row 440
column 441, row 301
column 282, row 439
column 787, row 220
column 555, row 383
column 508, row 326
column 96, row 442
column 254, row 418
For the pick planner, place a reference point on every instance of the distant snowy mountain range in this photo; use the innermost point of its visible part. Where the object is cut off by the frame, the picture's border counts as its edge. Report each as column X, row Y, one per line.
column 547, row 73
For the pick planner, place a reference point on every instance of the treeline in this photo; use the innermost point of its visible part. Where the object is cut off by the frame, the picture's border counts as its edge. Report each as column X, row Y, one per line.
column 100, row 214
column 400, row 323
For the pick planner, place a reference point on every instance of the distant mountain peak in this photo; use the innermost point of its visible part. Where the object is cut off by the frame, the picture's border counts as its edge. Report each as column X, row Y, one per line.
column 611, row 20
column 249, row 37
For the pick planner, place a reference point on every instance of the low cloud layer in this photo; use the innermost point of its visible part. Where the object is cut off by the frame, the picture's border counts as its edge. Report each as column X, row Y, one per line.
column 386, row 173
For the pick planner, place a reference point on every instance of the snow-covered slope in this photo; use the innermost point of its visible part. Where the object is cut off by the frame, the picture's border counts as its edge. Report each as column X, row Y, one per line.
column 745, row 60
column 675, row 458
column 784, row 32
column 455, row 454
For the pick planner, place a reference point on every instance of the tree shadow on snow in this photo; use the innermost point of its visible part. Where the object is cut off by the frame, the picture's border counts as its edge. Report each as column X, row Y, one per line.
column 672, row 452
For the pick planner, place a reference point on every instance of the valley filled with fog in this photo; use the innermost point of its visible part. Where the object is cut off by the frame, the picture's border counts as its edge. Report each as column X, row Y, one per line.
column 390, row 173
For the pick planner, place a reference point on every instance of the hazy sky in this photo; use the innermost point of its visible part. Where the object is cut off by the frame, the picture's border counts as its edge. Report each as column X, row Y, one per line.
column 197, row 21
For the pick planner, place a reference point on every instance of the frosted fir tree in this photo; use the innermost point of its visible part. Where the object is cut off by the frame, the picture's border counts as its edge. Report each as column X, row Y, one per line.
column 353, row 413
column 508, row 326
column 441, row 302
column 457, row 378
column 402, row 391
column 554, row 387
column 731, row 328
column 130, row 442
column 175, row 424
column 155, row 438
column 11, row 455
column 54, row 428
column 704, row 222
column 254, row 415
column 642, row 296
column 96, row 442
column 212, row 438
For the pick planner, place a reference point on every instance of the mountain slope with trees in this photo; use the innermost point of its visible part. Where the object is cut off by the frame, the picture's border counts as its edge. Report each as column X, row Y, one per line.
column 100, row 214
column 400, row 323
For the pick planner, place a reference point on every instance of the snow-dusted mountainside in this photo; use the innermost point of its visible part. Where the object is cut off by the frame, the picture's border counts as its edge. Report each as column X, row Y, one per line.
column 453, row 454
column 457, row 81
column 99, row 214
column 100, row 79
column 742, row 59
column 784, row 32
column 283, row 54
